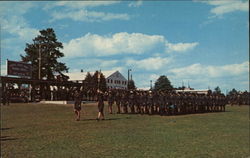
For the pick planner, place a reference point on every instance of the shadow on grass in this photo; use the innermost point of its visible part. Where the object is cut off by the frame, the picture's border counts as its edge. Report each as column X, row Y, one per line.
column 6, row 138
column 106, row 119
column 3, row 129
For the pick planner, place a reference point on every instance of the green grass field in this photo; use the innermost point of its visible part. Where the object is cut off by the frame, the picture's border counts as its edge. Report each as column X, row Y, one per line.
column 40, row 130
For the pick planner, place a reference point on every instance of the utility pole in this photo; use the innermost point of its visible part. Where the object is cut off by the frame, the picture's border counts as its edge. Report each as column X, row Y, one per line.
column 128, row 77
column 39, row 62
column 150, row 84
column 98, row 79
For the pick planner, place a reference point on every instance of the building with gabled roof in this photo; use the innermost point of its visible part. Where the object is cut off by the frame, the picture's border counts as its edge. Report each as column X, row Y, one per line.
column 116, row 81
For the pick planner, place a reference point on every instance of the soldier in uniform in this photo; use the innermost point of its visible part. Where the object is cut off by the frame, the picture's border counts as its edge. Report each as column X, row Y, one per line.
column 224, row 103
column 181, row 103
column 151, row 102
column 118, row 101
column 110, row 98
column 184, row 103
column 147, row 102
column 100, row 99
column 77, row 105
column 124, row 98
column 174, row 101
column 139, row 102
column 144, row 103
column 131, row 102
column 161, row 103
column 156, row 102
column 167, row 103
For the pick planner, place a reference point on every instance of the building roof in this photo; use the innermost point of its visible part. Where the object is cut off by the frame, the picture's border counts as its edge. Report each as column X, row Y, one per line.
column 117, row 75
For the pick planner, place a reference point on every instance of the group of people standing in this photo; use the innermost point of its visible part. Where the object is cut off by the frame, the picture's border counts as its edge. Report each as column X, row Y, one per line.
column 164, row 103
column 158, row 102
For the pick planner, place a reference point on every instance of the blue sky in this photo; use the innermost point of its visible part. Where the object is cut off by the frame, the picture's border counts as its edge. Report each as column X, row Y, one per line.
column 203, row 43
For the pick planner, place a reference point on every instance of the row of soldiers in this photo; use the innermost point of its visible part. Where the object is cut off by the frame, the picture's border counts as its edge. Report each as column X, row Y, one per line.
column 164, row 103
column 239, row 98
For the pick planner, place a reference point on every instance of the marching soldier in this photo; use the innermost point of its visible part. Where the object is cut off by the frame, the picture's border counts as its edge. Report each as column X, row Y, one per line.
column 100, row 98
column 77, row 105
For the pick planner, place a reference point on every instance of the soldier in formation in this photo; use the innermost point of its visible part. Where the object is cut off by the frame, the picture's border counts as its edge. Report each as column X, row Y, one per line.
column 110, row 98
column 166, row 103
column 239, row 98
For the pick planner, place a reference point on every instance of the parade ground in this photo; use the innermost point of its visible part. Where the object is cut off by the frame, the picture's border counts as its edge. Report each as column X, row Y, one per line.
column 48, row 130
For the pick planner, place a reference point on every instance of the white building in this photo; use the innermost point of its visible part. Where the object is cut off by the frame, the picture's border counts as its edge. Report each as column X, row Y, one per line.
column 114, row 79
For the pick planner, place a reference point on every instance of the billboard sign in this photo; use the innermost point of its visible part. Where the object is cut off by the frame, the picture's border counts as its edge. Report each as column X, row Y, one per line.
column 19, row 69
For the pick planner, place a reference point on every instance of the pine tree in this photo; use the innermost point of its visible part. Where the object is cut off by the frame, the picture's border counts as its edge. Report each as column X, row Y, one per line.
column 49, row 47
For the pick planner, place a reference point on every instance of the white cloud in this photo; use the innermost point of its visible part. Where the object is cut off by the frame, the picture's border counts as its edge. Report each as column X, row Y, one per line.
column 79, row 11
column 137, row 3
column 107, row 64
column 17, row 8
column 3, row 70
column 152, row 63
column 119, row 43
column 92, row 44
column 154, row 77
column 211, row 71
column 203, row 76
column 92, row 64
column 180, row 47
column 79, row 4
column 14, row 23
column 224, row 7
column 88, row 16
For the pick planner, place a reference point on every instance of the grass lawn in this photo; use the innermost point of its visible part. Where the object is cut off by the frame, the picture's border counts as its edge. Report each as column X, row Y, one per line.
column 43, row 130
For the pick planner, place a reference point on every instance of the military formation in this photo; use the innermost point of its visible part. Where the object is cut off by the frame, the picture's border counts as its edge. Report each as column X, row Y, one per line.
column 239, row 98
column 164, row 103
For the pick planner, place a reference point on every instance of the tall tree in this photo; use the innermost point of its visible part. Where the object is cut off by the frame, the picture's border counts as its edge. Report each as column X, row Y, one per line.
column 99, row 81
column 47, row 45
column 217, row 90
column 163, row 83
column 88, row 82
column 233, row 92
column 103, row 84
